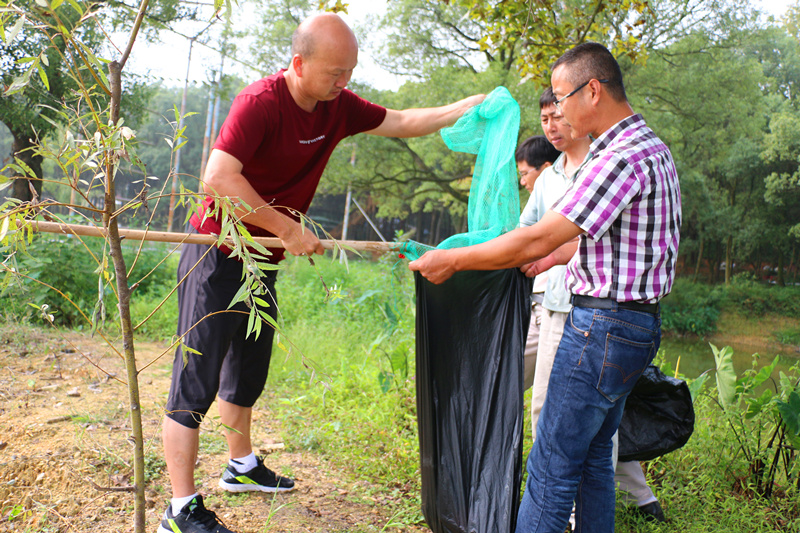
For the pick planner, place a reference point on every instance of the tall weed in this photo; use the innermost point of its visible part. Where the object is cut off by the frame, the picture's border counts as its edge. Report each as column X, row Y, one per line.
column 346, row 386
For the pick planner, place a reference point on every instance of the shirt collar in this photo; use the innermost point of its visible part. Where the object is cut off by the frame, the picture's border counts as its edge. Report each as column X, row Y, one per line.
column 558, row 166
column 602, row 142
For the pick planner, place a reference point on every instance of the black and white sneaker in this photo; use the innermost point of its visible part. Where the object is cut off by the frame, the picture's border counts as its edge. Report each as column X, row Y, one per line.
column 193, row 518
column 259, row 478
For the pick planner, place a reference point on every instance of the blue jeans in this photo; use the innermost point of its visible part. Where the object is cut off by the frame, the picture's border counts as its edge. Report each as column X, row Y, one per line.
column 601, row 355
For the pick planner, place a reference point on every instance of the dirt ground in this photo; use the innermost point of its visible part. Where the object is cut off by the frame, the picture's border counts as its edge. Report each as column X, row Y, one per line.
column 64, row 448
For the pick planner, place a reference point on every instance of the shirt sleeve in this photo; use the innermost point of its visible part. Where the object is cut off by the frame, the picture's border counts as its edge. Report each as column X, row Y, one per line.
column 244, row 129
column 603, row 189
column 528, row 216
column 362, row 115
column 535, row 208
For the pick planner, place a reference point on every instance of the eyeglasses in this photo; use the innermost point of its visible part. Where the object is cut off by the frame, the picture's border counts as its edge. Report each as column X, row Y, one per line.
column 523, row 173
column 581, row 86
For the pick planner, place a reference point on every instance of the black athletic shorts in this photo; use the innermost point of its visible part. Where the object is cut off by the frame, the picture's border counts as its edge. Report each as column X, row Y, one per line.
column 228, row 364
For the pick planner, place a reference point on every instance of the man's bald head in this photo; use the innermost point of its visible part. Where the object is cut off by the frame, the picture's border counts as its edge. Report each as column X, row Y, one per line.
column 322, row 31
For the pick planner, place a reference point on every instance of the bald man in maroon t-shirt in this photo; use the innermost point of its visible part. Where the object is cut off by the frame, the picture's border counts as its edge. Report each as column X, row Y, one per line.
column 270, row 154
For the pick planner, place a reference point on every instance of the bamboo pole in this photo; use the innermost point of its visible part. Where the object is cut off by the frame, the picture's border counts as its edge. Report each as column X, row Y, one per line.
column 196, row 238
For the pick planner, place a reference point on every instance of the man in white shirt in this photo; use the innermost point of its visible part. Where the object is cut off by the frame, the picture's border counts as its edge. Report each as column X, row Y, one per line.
column 550, row 186
column 533, row 156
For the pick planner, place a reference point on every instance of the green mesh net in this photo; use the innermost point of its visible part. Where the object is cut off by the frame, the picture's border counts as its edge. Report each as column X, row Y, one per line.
column 489, row 130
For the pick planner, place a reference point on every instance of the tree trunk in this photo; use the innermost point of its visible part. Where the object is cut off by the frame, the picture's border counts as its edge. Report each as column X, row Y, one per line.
column 124, row 294
column 714, row 274
column 432, row 229
column 699, row 261
column 781, row 279
column 26, row 189
column 728, row 259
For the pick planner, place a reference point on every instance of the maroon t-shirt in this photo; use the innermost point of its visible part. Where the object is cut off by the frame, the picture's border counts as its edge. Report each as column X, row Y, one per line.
column 284, row 149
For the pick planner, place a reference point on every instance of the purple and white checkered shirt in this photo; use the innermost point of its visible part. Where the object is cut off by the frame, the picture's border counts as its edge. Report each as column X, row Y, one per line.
column 628, row 202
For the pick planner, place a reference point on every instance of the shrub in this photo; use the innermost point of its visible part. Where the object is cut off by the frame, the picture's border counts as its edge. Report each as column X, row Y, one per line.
column 749, row 297
column 690, row 308
column 63, row 263
column 694, row 308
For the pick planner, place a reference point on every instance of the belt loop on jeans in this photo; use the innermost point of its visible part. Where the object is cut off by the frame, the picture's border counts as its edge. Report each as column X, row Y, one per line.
column 607, row 303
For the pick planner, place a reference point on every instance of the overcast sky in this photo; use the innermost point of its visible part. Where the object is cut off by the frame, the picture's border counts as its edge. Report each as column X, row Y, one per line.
column 168, row 59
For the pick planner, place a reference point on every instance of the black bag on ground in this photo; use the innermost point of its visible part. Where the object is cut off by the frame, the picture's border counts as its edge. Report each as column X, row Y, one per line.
column 471, row 333
column 658, row 417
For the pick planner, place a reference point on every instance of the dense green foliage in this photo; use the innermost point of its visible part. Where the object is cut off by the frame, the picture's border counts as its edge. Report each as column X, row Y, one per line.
column 694, row 308
column 736, row 160
column 72, row 266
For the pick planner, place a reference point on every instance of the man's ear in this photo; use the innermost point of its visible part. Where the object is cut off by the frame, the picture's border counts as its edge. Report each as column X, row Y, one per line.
column 594, row 91
column 297, row 65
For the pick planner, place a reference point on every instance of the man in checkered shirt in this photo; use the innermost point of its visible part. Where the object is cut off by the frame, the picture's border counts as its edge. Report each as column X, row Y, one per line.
column 624, row 209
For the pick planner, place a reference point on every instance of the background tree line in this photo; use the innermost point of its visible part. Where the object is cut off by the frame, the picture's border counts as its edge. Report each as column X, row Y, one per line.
column 715, row 78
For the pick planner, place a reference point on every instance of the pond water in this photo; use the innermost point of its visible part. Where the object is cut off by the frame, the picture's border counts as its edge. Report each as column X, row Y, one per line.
column 696, row 356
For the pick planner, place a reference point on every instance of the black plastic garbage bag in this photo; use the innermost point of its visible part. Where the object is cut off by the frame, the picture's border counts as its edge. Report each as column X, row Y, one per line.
column 471, row 334
column 658, row 417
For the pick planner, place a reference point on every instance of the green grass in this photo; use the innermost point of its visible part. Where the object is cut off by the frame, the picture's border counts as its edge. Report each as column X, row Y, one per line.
column 337, row 391
column 213, row 441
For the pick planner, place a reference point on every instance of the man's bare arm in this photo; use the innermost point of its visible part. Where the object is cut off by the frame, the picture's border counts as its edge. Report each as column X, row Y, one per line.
column 514, row 249
column 422, row 121
column 223, row 177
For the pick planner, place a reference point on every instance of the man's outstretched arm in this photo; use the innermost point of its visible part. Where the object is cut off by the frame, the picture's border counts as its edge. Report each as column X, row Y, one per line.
column 422, row 121
column 514, row 249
